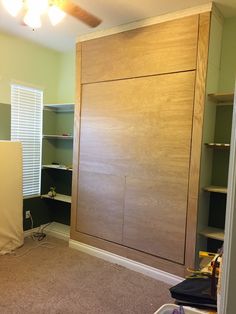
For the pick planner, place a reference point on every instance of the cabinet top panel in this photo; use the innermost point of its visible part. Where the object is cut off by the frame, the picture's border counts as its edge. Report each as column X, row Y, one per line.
column 162, row 48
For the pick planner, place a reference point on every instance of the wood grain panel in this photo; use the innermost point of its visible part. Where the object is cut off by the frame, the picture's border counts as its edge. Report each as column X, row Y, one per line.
column 138, row 127
column 135, row 141
column 199, row 103
column 161, row 48
column 155, row 215
column 75, row 175
column 100, row 205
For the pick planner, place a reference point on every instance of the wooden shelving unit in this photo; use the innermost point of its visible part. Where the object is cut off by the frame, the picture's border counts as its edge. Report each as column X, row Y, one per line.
column 57, row 167
column 218, row 145
column 213, row 233
column 58, row 137
column 215, row 189
column 224, row 98
column 58, row 197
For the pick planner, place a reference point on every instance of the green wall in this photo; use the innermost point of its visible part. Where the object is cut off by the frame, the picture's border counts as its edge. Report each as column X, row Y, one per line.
column 27, row 63
column 5, row 118
column 66, row 84
column 228, row 56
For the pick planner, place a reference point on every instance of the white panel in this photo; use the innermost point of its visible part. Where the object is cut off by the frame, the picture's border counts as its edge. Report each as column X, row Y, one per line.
column 11, row 199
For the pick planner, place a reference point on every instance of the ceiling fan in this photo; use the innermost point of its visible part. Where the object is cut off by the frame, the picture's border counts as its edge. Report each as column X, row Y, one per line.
column 32, row 10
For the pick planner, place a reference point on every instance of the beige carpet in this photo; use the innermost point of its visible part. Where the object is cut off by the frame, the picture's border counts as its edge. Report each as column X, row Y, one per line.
column 63, row 280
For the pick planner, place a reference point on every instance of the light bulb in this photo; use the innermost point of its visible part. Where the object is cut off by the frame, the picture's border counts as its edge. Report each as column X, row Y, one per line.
column 39, row 6
column 55, row 15
column 32, row 19
column 13, row 7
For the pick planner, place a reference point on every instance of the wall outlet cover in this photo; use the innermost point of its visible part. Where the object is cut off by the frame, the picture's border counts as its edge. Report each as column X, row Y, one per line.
column 27, row 214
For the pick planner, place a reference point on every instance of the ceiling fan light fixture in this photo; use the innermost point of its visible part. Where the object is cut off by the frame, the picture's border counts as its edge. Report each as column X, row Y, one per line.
column 13, row 7
column 56, row 9
column 55, row 15
column 39, row 6
column 32, row 19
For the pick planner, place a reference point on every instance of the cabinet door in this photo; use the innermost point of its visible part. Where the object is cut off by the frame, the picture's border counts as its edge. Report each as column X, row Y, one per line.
column 134, row 162
column 100, row 210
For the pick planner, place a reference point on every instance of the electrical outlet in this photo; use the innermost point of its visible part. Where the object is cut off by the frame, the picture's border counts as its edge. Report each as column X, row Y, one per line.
column 27, row 214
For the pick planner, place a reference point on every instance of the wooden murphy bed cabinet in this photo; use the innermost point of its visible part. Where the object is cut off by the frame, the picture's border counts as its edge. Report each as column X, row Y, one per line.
column 137, row 146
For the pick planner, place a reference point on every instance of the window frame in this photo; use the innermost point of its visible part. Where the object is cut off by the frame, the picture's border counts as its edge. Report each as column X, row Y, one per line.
column 22, row 98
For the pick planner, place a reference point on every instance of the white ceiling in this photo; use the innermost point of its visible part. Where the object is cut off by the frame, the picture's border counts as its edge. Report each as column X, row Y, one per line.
column 63, row 36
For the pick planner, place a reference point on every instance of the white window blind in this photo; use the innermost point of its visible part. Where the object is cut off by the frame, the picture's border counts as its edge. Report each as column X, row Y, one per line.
column 26, row 127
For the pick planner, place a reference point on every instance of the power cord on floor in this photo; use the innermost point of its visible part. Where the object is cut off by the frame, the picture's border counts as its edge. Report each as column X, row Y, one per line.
column 38, row 235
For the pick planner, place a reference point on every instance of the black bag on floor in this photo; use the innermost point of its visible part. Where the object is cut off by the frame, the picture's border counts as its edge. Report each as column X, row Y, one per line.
column 194, row 291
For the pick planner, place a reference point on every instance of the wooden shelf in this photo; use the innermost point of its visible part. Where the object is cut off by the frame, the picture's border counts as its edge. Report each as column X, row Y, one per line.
column 216, row 189
column 58, row 197
column 57, row 167
column 213, row 233
column 59, row 137
column 222, row 98
column 218, row 145
column 59, row 107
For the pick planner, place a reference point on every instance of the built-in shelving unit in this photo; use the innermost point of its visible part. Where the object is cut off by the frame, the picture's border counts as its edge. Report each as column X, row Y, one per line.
column 58, row 197
column 222, row 98
column 216, row 158
column 216, row 189
column 57, row 144
column 213, row 233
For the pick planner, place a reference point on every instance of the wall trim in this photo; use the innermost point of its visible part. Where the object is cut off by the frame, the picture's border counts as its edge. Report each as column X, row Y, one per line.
column 55, row 229
column 128, row 263
column 28, row 233
column 59, row 234
column 147, row 22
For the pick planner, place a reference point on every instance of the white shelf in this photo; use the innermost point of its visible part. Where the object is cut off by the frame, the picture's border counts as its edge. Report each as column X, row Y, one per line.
column 218, row 145
column 58, row 137
column 216, row 189
column 59, row 107
column 59, row 197
column 213, row 233
column 59, row 167
column 222, row 98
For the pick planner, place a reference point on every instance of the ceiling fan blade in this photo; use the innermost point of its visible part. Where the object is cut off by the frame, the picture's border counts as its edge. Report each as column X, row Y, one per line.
column 76, row 11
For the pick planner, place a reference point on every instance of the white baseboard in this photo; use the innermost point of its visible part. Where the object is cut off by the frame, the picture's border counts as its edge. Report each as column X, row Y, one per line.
column 59, row 231
column 55, row 229
column 128, row 263
column 62, row 232
column 29, row 232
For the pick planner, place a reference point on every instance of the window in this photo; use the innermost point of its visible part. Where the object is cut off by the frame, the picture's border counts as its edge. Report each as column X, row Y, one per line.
column 26, row 127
